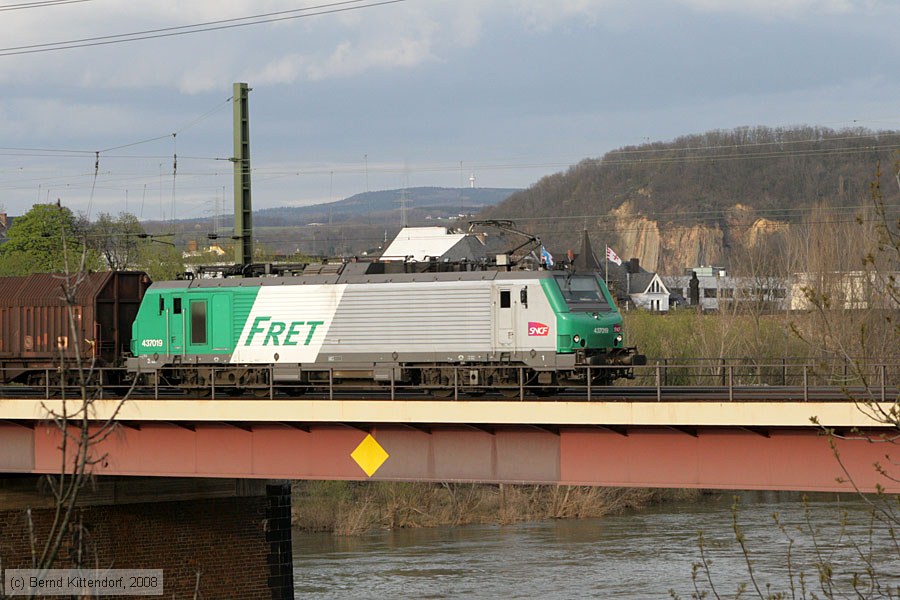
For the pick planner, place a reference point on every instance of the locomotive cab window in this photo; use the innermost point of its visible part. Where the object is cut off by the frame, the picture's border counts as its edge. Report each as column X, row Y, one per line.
column 198, row 322
column 505, row 299
column 162, row 305
column 176, row 306
column 582, row 293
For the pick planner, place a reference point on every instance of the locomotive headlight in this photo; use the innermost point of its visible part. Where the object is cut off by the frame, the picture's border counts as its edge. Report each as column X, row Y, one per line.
column 576, row 339
column 619, row 339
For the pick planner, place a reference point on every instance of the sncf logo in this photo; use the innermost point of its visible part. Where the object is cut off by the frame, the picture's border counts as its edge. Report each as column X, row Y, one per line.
column 535, row 328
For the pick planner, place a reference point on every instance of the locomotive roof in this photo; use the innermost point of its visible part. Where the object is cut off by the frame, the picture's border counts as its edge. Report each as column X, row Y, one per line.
column 331, row 279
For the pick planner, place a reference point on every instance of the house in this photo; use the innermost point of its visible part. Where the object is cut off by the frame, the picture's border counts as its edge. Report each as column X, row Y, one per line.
column 642, row 288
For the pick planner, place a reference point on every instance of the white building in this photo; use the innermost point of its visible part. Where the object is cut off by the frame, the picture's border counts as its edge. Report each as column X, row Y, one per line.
column 419, row 244
column 717, row 290
column 850, row 290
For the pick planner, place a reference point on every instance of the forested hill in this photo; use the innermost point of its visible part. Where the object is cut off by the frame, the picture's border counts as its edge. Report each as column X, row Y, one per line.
column 385, row 206
column 635, row 194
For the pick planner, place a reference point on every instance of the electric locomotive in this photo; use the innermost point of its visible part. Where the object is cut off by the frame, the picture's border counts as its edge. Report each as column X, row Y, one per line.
column 468, row 330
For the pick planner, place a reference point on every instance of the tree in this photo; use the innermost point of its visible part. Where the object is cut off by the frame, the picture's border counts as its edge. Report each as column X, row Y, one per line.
column 118, row 240
column 160, row 260
column 38, row 242
column 865, row 338
column 80, row 435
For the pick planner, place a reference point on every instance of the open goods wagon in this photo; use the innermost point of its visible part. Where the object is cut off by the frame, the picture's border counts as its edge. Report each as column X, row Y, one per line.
column 37, row 333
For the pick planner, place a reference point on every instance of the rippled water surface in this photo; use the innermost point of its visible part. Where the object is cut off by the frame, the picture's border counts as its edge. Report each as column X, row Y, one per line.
column 636, row 555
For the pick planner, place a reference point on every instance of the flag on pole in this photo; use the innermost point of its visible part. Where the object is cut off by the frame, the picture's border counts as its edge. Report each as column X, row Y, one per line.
column 612, row 256
column 546, row 258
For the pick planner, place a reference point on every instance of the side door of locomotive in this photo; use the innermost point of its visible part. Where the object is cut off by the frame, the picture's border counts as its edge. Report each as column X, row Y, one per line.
column 504, row 316
column 176, row 326
column 198, row 325
column 208, row 320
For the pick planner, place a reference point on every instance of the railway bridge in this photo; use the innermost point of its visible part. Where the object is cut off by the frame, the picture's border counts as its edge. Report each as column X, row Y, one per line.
column 742, row 441
column 182, row 482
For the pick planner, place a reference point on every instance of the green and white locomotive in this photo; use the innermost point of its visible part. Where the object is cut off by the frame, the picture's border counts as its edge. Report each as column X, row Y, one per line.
column 465, row 330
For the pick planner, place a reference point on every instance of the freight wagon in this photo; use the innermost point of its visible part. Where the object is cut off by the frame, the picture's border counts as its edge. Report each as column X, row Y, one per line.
column 50, row 321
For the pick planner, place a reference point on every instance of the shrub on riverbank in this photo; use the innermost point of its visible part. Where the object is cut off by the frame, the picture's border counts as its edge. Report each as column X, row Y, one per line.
column 687, row 334
column 347, row 508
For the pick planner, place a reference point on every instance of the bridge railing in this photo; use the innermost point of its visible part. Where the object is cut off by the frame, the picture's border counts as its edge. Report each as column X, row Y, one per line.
column 717, row 379
column 749, row 371
column 713, row 379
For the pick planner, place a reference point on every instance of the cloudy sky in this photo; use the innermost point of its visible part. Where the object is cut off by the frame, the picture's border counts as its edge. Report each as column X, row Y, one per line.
column 366, row 95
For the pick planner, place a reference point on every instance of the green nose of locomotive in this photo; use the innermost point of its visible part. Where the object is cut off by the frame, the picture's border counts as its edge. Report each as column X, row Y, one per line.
column 587, row 318
column 590, row 332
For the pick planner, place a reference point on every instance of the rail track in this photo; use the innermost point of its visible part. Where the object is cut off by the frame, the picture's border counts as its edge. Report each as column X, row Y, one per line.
column 716, row 380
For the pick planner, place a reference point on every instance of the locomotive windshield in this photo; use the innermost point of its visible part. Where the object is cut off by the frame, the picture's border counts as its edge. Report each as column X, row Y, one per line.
column 582, row 293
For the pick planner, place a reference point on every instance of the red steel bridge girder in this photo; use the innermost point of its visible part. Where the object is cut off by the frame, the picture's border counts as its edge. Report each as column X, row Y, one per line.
column 713, row 457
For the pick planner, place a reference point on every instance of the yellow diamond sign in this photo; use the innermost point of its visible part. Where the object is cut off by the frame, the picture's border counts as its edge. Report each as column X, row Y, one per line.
column 369, row 455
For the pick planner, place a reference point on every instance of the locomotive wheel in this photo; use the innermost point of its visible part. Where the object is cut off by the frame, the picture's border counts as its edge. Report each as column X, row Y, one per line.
column 259, row 392
column 509, row 392
column 258, row 385
column 197, row 384
column 441, row 380
column 199, row 392
column 505, row 382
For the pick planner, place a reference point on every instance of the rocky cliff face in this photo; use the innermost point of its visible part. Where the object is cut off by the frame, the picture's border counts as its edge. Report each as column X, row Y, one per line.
column 669, row 248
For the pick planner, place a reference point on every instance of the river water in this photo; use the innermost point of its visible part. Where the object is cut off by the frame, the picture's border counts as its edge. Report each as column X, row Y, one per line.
column 642, row 554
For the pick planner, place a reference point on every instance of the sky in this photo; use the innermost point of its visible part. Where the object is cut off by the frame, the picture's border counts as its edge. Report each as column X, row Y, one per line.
column 363, row 95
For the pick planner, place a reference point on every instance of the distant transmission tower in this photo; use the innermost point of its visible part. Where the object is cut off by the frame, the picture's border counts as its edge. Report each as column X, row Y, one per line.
column 403, row 208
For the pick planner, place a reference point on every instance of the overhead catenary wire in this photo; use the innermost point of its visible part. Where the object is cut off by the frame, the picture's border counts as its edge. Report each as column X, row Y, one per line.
column 545, row 233
column 78, row 153
column 839, row 215
column 206, row 115
column 611, row 157
column 63, row 153
column 266, row 174
column 263, row 173
column 39, row 4
column 259, row 19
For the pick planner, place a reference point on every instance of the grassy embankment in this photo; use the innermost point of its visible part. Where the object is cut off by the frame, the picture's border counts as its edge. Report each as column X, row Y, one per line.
column 348, row 508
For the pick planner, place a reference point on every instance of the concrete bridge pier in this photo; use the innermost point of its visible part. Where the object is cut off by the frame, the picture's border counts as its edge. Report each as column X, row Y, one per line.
column 224, row 538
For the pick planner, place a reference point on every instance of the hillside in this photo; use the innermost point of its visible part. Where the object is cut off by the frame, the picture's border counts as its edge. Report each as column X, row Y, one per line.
column 385, row 206
column 350, row 226
column 702, row 199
